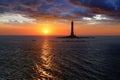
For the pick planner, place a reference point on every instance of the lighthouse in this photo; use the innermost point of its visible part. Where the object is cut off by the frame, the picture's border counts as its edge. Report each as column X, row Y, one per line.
column 72, row 29
column 72, row 35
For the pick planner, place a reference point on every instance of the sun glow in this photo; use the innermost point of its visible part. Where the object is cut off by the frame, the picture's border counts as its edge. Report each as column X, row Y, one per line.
column 46, row 31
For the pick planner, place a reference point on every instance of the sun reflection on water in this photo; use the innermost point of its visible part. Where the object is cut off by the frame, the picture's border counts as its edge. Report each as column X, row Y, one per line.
column 44, row 68
column 46, row 54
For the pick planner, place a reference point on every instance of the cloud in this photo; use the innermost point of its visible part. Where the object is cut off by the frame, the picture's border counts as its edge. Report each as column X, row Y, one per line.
column 99, row 6
column 101, row 17
column 61, row 8
column 98, row 19
column 15, row 18
column 7, row 2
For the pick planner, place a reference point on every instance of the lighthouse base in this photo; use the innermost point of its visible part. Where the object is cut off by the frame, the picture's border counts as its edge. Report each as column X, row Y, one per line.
column 74, row 36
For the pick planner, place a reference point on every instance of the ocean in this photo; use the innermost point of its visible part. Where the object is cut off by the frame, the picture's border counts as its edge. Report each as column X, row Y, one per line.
column 38, row 58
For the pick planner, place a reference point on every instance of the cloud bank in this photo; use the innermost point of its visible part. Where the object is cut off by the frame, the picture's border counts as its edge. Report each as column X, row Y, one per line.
column 84, row 9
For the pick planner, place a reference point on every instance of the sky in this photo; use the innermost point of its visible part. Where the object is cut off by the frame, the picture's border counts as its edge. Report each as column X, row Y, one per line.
column 33, row 17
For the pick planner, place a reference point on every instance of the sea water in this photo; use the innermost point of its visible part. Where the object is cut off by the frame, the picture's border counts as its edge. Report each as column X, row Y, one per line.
column 38, row 58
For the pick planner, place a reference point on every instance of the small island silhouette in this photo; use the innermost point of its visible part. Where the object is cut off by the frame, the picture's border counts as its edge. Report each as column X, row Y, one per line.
column 72, row 35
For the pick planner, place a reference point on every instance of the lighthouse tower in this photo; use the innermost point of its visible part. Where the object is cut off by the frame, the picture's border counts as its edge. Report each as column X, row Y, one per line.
column 72, row 29
column 72, row 35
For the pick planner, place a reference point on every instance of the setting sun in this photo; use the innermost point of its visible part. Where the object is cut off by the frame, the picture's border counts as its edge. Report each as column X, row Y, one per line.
column 46, row 31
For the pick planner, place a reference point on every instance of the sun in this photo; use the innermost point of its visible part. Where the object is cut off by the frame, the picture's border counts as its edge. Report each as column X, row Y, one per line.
column 46, row 31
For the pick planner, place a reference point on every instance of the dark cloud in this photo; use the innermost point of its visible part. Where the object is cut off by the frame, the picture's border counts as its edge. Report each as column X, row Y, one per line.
column 61, row 8
column 7, row 2
column 108, row 5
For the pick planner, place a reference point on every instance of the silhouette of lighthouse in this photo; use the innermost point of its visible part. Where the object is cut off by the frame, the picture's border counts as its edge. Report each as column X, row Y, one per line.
column 72, row 35
column 72, row 29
